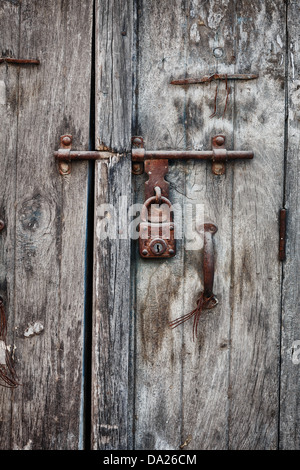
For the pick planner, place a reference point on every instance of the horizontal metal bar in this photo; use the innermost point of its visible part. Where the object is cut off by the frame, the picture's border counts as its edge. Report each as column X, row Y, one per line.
column 215, row 76
column 11, row 60
column 66, row 154
column 139, row 155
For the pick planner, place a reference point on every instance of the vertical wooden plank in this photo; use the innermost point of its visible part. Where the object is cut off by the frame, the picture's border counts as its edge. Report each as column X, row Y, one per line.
column 178, row 381
column 111, row 327
column 257, row 193
column 111, row 311
column 289, row 437
column 210, row 49
column 159, row 283
column 9, row 42
column 50, row 231
column 114, row 40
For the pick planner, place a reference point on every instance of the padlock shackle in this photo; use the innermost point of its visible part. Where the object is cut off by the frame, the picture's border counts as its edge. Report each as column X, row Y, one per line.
column 148, row 202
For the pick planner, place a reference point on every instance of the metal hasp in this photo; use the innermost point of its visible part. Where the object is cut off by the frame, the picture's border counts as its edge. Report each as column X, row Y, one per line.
column 156, row 230
column 218, row 155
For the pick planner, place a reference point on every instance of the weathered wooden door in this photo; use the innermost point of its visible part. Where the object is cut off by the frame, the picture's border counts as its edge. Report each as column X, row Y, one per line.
column 87, row 316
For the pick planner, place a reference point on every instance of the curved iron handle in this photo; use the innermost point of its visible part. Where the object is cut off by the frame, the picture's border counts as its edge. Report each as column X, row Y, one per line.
column 207, row 299
column 209, row 264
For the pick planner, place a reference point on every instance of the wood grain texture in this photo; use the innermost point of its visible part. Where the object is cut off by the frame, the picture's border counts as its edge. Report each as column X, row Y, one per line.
column 114, row 41
column 290, row 368
column 110, row 384
column 111, row 390
column 8, row 143
column 257, row 198
column 50, row 226
column 159, row 283
column 152, row 387
column 192, row 376
column 210, row 48
column 226, row 384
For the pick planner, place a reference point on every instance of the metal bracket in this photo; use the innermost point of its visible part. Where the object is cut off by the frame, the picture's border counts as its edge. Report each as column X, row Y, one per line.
column 64, row 165
column 65, row 155
column 137, row 143
column 220, row 153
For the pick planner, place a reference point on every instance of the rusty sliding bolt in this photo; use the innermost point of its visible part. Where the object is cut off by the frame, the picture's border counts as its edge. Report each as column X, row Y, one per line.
column 282, row 234
column 218, row 155
column 68, row 155
column 12, row 60
column 140, row 155
column 215, row 76
column 64, row 155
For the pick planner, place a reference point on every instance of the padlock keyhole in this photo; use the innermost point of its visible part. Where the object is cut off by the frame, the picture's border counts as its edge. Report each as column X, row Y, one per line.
column 158, row 247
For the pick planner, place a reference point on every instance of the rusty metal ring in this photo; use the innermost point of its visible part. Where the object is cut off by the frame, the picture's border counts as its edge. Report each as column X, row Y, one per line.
column 150, row 201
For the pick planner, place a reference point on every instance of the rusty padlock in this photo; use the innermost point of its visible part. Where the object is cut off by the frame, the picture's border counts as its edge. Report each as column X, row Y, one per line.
column 156, row 234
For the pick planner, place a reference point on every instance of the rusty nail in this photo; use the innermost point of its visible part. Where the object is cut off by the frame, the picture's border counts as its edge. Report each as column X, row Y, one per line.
column 67, row 140
column 218, row 169
column 64, row 168
column 137, row 141
column 220, row 140
column 138, row 168
column 2, row 225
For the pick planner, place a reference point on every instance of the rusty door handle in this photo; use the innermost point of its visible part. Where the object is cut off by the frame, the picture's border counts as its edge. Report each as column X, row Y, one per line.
column 209, row 265
column 207, row 299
